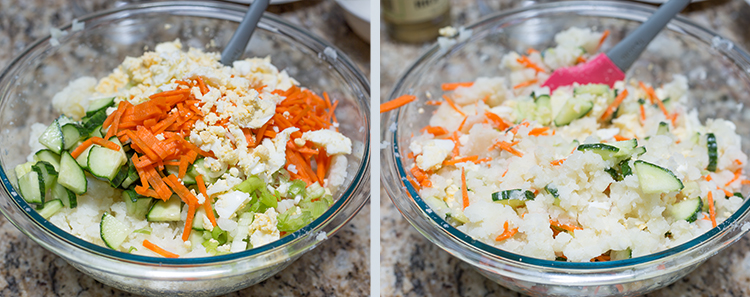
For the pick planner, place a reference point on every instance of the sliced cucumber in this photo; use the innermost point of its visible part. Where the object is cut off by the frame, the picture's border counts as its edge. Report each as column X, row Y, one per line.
column 105, row 163
column 196, row 238
column 543, row 109
column 165, row 211
column 656, row 179
column 50, row 208
column 52, row 137
column 132, row 176
column 113, row 231
column 663, row 129
column 83, row 158
column 552, row 190
column 48, row 174
column 136, row 205
column 594, row 89
column 91, row 125
column 68, row 198
column 187, row 179
column 572, row 109
column 121, row 175
column 22, row 169
column 713, row 155
column 31, row 186
column 71, row 175
column 625, row 169
column 614, row 174
column 97, row 105
column 687, row 209
column 116, row 141
column 71, row 135
column 626, row 147
column 621, row 255
column 639, row 151
column 605, row 150
column 198, row 219
column 49, row 157
column 513, row 198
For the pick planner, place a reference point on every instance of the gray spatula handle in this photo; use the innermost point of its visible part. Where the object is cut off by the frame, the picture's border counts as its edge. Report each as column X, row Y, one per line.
column 237, row 44
column 630, row 48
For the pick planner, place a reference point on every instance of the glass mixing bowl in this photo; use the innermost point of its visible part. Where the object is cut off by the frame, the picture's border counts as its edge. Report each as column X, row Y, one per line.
column 718, row 74
column 29, row 82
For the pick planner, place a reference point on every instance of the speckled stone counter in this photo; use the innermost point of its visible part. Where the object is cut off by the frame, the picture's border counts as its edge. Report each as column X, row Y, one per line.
column 339, row 266
column 412, row 266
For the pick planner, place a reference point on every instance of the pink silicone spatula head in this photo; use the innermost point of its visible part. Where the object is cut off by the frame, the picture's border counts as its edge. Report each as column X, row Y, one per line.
column 610, row 67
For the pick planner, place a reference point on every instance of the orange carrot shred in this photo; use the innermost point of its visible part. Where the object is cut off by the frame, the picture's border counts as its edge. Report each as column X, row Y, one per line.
column 435, row 130
column 188, row 222
column 81, row 148
column 396, row 103
column 464, row 190
column 538, row 131
column 498, row 122
column 611, row 108
column 507, row 233
column 529, row 64
column 601, row 40
column 207, row 202
column 453, row 86
column 453, row 105
column 737, row 174
column 525, row 84
column 557, row 162
column 461, row 127
column 156, row 249
column 619, row 137
column 711, row 210
column 461, row 160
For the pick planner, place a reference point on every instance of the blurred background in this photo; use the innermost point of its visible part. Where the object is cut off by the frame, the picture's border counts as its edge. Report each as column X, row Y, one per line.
column 340, row 266
column 412, row 266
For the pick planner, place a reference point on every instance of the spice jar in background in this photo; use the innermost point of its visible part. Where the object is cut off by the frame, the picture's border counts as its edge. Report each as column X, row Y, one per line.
column 415, row 20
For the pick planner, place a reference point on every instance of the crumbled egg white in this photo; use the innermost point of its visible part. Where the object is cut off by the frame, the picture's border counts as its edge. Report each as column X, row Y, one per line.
column 263, row 228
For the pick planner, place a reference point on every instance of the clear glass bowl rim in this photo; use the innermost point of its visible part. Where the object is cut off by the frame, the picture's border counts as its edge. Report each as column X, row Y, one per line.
column 199, row 9
column 614, row 9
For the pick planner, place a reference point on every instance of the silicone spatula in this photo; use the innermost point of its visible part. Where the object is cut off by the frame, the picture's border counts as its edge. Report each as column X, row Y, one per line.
column 241, row 37
column 609, row 67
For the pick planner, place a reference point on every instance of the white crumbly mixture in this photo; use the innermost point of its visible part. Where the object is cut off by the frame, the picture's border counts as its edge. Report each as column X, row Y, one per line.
column 609, row 215
column 232, row 92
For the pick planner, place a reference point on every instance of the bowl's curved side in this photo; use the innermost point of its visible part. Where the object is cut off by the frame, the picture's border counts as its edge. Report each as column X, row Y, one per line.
column 107, row 39
column 693, row 52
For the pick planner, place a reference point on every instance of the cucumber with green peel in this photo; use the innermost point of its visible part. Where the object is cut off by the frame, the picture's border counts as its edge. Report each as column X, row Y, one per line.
column 49, row 157
column 31, row 186
column 573, row 109
column 196, row 238
column 594, row 89
column 50, row 208
column 656, row 179
column 687, row 209
column 113, row 232
column 48, row 174
column 52, row 137
column 83, row 158
column 621, row 255
column 552, row 190
column 543, row 109
column 68, row 198
column 131, row 177
column 71, row 175
column 91, row 125
column 71, row 135
column 100, row 104
column 513, row 198
column 625, row 147
column 625, row 169
column 663, row 129
column 23, row 168
column 135, row 204
column 639, row 151
column 165, row 211
column 104, row 163
column 713, row 155
column 602, row 149
column 198, row 219
column 614, row 174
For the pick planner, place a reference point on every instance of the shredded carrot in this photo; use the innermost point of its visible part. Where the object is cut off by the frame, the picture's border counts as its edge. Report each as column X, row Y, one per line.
column 538, row 131
column 557, row 162
column 81, row 148
column 505, row 172
column 515, row 129
column 464, row 190
column 461, row 127
column 569, row 228
column 745, row 182
column 580, row 60
column 643, row 114
column 396, row 103
column 433, row 102
column 507, row 147
column 525, row 84
column 601, row 40
column 649, row 91
column 601, row 258
column 156, row 249
column 738, row 162
column 461, row 160
column 453, row 86
column 496, row 120
column 737, row 174
column 507, row 233
column 619, row 137
column 435, row 130
column 482, row 160
column 188, row 222
column 711, row 209
column 453, row 105
column 523, row 60
column 611, row 108
column 105, row 143
column 202, row 85
column 207, row 202
column 531, row 51
column 708, row 177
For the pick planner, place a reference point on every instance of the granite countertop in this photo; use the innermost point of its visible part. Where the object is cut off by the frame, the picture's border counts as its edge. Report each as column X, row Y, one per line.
column 339, row 266
column 412, row 266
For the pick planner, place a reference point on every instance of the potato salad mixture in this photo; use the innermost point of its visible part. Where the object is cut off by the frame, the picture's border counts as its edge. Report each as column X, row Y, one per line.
column 176, row 155
column 583, row 173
